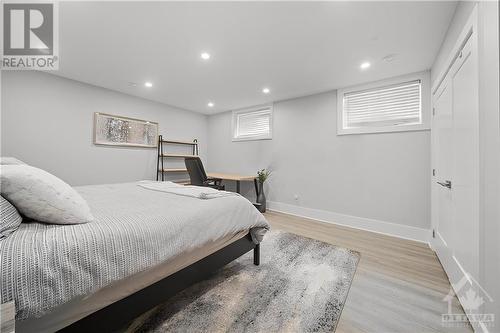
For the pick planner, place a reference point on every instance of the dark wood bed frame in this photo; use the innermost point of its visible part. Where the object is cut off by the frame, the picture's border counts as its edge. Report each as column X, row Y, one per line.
column 115, row 316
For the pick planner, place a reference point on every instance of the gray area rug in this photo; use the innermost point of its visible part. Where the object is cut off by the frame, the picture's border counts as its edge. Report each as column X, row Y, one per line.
column 301, row 285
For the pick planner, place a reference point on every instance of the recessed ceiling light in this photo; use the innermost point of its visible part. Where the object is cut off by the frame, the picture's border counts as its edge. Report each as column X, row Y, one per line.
column 266, row 90
column 148, row 84
column 210, row 104
column 205, row 56
column 365, row 65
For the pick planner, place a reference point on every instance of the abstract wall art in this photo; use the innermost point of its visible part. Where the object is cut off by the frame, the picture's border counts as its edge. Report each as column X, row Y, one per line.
column 123, row 131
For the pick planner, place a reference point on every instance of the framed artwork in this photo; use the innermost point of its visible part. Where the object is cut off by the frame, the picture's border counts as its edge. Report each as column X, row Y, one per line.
column 123, row 131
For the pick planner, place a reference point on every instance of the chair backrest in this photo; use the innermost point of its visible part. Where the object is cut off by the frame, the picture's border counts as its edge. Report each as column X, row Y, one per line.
column 196, row 171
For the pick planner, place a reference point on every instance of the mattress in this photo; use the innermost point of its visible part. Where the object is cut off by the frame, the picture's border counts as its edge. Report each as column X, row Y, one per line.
column 44, row 266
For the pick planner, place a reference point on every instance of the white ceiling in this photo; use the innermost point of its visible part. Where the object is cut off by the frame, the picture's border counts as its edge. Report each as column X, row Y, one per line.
column 294, row 48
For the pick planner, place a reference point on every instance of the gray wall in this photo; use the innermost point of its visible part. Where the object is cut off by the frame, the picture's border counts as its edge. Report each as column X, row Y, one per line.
column 377, row 176
column 47, row 121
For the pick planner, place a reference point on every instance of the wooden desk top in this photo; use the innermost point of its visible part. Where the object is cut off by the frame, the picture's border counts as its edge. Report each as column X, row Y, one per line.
column 228, row 176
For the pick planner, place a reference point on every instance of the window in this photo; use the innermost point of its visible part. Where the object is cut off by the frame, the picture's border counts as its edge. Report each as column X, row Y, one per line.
column 390, row 106
column 253, row 124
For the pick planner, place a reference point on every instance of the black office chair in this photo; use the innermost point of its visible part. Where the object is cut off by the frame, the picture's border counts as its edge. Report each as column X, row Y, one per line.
column 198, row 175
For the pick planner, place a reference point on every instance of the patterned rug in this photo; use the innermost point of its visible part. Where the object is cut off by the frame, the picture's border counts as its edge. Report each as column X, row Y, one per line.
column 301, row 285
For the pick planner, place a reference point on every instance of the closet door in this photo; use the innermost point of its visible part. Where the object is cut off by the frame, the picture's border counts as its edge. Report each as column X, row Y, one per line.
column 443, row 166
column 456, row 165
column 465, row 177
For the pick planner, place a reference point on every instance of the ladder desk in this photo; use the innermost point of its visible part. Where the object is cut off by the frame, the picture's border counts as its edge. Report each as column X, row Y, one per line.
column 237, row 178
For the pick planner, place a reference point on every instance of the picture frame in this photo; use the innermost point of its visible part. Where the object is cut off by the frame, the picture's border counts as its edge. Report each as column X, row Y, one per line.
column 113, row 130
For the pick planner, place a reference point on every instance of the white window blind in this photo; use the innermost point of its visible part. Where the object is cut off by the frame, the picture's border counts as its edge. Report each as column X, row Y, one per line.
column 252, row 124
column 394, row 105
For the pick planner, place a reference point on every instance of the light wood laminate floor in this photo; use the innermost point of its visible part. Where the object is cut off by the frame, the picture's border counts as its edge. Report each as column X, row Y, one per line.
column 399, row 285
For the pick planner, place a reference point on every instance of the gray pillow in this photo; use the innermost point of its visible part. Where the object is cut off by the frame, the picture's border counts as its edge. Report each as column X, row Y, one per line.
column 10, row 218
column 42, row 196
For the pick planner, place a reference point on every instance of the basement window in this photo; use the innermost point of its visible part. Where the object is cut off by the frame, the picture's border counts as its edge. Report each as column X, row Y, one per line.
column 390, row 106
column 253, row 123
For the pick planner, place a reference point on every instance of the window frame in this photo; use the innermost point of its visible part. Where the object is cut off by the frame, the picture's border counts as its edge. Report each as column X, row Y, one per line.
column 234, row 120
column 424, row 78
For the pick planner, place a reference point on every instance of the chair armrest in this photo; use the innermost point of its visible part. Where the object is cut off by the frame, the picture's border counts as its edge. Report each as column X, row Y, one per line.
column 214, row 180
column 214, row 183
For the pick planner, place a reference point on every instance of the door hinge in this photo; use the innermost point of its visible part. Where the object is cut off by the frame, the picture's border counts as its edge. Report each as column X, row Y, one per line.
column 433, row 233
column 434, row 172
column 433, row 111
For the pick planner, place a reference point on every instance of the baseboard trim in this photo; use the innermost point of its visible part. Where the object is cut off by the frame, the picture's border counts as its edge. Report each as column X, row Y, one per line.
column 372, row 225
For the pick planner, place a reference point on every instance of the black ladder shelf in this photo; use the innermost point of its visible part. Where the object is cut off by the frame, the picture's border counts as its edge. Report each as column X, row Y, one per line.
column 160, row 166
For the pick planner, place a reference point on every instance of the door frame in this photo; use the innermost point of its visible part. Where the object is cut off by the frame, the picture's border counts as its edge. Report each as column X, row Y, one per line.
column 452, row 266
column 469, row 31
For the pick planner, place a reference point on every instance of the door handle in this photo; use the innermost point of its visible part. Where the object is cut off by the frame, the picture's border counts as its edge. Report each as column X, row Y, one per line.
column 447, row 184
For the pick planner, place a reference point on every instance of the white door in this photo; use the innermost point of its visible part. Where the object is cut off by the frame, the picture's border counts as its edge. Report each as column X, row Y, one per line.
column 443, row 152
column 456, row 166
column 465, row 176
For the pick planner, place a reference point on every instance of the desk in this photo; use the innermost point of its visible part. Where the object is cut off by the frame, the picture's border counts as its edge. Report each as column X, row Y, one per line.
column 237, row 178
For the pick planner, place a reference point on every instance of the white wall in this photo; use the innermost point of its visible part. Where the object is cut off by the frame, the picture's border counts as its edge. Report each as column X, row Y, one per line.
column 47, row 121
column 489, row 141
column 462, row 13
column 383, row 176
column 489, row 122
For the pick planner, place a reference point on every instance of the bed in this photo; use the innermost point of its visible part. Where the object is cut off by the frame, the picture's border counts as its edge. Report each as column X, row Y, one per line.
column 143, row 247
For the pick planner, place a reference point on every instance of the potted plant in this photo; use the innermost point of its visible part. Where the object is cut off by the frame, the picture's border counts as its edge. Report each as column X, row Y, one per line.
column 262, row 176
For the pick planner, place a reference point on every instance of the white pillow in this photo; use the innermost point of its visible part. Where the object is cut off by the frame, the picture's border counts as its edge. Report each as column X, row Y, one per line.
column 41, row 196
column 11, row 161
